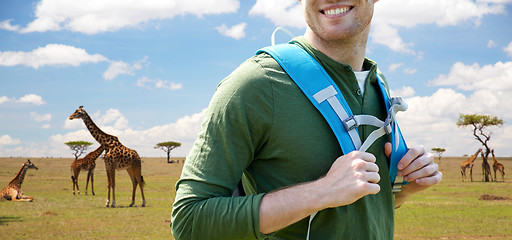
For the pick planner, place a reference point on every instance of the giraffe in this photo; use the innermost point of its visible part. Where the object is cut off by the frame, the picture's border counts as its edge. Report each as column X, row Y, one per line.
column 86, row 163
column 498, row 167
column 469, row 164
column 486, row 168
column 13, row 190
column 116, row 157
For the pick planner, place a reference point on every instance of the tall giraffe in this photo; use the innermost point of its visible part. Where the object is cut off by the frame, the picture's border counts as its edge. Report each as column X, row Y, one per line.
column 496, row 166
column 116, row 157
column 469, row 164
column 13, row 190
column 86, row 163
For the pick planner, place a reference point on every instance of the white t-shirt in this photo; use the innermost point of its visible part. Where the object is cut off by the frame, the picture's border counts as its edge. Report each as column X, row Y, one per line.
column 361, row 78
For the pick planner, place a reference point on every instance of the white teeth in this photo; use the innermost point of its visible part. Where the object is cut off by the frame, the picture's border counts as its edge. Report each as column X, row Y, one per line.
column 336, row 11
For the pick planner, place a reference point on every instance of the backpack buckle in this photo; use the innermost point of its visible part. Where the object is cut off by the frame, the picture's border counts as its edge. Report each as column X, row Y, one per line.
column 350, row 123
column 388, row 129
column 397, row 185
column 387, row 125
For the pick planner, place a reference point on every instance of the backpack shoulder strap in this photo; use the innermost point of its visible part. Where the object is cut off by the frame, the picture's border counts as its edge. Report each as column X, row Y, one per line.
column 322, row 92
column 328, row 99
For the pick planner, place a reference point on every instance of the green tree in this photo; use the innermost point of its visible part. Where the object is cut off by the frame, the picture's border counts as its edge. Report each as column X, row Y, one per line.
column 78, row 147
column 168, row 147
column 439, row 152
column 480, row 122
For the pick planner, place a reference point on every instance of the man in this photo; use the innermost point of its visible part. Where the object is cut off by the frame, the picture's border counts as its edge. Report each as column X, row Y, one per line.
column 262, row 129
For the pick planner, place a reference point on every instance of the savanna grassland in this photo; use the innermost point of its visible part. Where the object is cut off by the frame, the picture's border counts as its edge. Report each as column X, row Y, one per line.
column 459, row 210
column 56, row 213
column 450, row 210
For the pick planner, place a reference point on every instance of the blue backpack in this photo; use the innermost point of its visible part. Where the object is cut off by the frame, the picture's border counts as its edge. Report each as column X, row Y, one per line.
column 327, row 98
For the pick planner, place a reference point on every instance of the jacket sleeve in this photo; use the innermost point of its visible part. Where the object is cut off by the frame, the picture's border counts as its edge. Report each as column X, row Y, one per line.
column 236, row 125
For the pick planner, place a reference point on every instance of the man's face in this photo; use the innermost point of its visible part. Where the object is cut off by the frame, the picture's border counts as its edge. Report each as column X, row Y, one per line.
column 333, row 20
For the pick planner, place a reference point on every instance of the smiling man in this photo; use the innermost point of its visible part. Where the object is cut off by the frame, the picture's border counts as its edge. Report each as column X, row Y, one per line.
column 262, row 129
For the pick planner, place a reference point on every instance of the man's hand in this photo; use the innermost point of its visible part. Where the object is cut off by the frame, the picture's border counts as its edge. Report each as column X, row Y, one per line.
column 351, row 177
column 418, row 168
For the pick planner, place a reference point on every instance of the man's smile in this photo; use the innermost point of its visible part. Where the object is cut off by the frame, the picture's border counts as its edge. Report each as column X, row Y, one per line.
column 335, row 11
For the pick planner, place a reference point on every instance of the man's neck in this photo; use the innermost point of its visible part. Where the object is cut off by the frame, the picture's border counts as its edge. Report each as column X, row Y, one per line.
column 350, row 51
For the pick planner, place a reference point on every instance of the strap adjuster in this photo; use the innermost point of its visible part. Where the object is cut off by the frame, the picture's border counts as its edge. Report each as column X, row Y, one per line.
column 397, row 185
column 350, row 123
column 388, row 129
column 387, row 124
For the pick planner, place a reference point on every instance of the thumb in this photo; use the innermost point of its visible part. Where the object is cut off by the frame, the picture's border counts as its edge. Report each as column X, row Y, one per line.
column 387, row 149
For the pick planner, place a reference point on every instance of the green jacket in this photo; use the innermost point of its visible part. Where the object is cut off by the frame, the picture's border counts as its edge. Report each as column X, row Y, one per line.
column 260, row 127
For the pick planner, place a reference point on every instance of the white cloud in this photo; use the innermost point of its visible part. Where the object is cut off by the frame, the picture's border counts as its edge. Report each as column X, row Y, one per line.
column 8, row 140
column 495, row 1
column 95, row 16
column 237, row 31
column 40, row 118
column 405, row 91
column 158, row 83
column 6, row 24
column 391, row 15
column 51, row 54
column 119, row 67
column 112, row 118
column 442, row 13
column 473, row 77
column 508, row 49
column 4, row 99
column 142, row 82
column 491, row 44
column 73, row 124
column 28, row 98
column 393, row 67
column 32, row 98
column 410, row 71
column 284, row 13
column 387, row 35
column 168, row 85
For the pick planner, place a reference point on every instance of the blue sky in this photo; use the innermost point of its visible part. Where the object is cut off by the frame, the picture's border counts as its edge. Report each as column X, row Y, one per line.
column 146, row 70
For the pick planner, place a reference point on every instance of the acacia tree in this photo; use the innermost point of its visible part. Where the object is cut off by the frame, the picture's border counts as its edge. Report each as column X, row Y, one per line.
column 78, row 147
column 168, row 147
column 480, row 122
column 438, row 151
